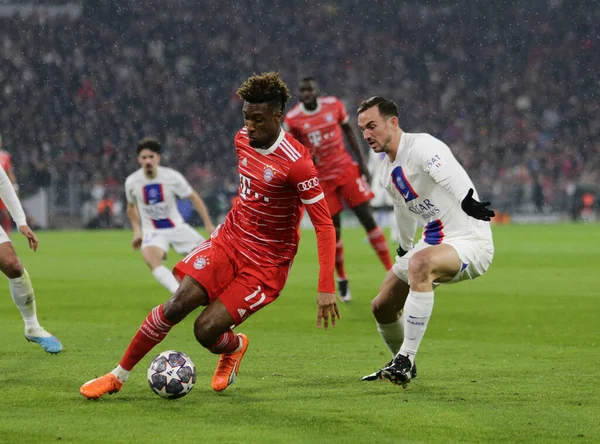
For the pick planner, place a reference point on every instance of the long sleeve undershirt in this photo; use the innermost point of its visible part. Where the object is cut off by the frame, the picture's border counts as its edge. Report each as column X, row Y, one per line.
column 10, row 199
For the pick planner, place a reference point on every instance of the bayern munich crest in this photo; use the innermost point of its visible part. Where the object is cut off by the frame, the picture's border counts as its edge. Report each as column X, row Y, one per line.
column 200, row 263
column 269, row 174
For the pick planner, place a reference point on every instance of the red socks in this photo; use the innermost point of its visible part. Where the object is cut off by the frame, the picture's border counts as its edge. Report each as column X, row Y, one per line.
column 152, row 331
column 228, row 342
column 379, row 244
column 339, row 260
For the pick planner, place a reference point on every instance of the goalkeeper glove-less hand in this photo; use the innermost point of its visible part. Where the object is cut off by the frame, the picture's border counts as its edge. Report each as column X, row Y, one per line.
column 478, row 210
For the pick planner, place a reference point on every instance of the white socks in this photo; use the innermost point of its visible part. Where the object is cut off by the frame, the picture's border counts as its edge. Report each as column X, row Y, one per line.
column 417, row 311
column 121, row 373
column 165, row 278
column 22, row 294
column 392, row 334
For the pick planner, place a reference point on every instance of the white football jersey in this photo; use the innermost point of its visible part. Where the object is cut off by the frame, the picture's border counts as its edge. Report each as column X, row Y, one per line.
column 156, row 199
column 382, row 198
column 427, row 185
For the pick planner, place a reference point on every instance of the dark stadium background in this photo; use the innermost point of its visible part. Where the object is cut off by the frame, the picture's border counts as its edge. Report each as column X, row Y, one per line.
column 511, row 86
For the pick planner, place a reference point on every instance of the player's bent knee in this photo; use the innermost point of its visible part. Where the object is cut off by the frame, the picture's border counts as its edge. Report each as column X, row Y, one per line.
column 378, row 307
column 205, row 332
column 386, row 310
column 419, row 268
column 12, row 267
column 189, row 296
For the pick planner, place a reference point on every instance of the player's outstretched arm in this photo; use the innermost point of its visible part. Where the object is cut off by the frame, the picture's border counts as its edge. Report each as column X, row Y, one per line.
column 200, row 207
column 303, row 177
column 134, row 219
column 9, row 196
column 326, row 303
column 442, row 166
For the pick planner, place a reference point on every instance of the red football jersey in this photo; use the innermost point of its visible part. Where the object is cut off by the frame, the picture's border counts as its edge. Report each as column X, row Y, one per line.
column 275, row 186
column 320, row 132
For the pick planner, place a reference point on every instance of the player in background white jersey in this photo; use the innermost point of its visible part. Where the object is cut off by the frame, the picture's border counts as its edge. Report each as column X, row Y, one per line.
column 427, row 186
column 152, row 193
column 19, row 283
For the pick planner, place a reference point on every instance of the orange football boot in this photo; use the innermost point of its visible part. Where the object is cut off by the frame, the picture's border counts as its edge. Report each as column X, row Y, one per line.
column 95, row 388
column 228, row 366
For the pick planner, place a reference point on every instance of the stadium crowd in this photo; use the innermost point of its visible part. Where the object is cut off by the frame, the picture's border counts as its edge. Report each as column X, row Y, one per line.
column 514, row 90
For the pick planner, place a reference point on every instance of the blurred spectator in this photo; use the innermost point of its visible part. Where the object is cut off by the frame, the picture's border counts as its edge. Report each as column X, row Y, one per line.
column 511, row 86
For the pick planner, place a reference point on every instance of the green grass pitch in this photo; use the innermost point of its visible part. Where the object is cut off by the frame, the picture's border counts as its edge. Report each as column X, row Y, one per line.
column 513, row 356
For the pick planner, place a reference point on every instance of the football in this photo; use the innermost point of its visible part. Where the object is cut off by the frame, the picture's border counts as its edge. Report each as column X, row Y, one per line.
column 172, row 374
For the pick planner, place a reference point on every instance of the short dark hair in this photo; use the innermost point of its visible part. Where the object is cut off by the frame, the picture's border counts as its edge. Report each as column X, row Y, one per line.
column 148, row 143
column 265, row 88
column 387, row 108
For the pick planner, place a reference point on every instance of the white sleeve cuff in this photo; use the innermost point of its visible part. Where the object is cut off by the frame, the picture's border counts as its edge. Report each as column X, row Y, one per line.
column 313, row 200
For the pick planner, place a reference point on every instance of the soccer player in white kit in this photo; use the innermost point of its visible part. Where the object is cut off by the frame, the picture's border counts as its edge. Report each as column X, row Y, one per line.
column 152, row 193
column 19, row 283
column 427, row 186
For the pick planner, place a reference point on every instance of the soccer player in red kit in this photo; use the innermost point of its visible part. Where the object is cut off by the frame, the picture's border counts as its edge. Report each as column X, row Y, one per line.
column 244, row 265
column 318, row 122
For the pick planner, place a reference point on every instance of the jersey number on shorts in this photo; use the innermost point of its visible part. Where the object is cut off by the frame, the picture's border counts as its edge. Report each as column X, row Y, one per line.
column 254, row 295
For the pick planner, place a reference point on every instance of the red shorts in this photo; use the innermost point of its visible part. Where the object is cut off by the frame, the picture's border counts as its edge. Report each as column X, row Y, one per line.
column 243, row 286
column 349, row 186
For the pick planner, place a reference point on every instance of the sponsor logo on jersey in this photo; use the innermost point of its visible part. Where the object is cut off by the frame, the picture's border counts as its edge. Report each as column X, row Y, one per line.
column 435, row 161
column 269, row 174
column 308, row 184
column 153, row 194
column 402, row 184
column 156, row 208
column 157, row 211
column 315, row 137
column 425, row 209
column 201, row 262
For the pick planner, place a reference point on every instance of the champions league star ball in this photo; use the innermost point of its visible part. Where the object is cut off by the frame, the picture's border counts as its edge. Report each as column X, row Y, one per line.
column 172, row 374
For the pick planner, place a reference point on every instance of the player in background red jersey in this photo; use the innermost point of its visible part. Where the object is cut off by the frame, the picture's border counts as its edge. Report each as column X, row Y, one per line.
column 319, row 123
column 244, row 265
column 6, row 164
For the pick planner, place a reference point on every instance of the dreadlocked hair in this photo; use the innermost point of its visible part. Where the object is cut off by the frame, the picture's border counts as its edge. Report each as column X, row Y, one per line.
column 265, row 88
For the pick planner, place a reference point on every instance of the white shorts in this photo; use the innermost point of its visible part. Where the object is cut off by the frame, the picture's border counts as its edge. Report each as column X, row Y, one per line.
column 475, row 255
column 3, row 236
column 183, row 239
